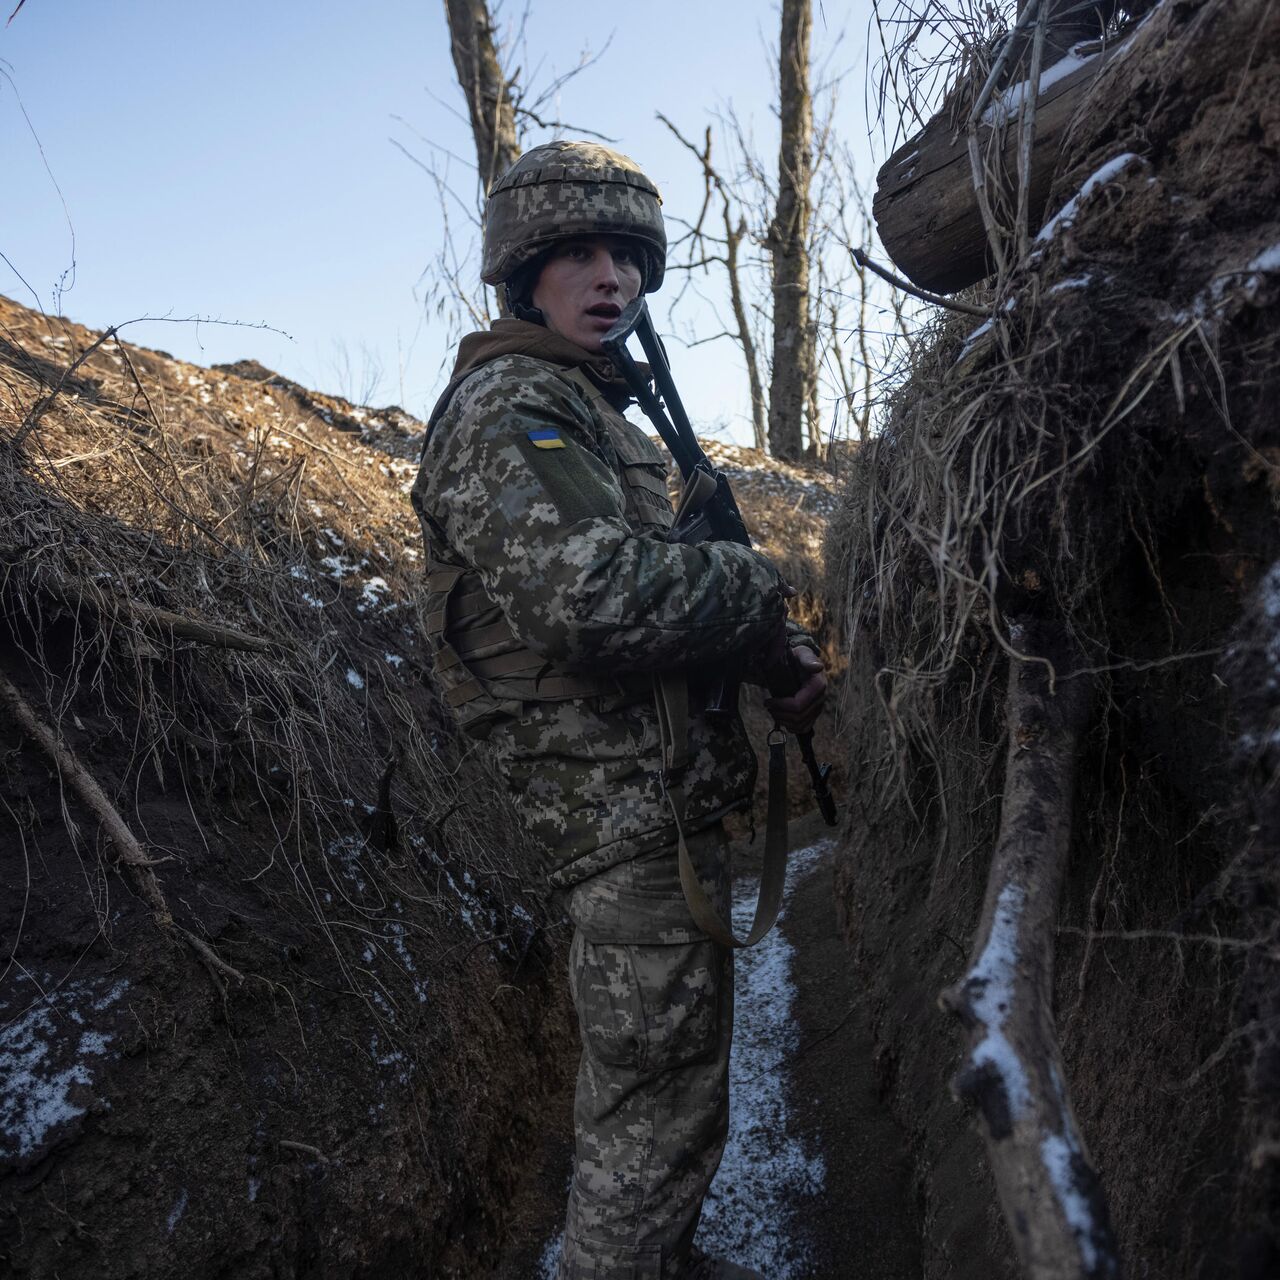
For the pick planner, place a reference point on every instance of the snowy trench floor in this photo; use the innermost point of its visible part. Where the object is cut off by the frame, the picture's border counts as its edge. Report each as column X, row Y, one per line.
column 752, row 1215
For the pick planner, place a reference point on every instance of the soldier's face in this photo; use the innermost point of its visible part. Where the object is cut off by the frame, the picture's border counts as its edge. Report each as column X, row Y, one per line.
column 584, row 286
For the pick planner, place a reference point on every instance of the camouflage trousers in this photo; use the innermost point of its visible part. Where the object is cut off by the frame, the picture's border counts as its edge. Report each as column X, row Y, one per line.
column 654, row 997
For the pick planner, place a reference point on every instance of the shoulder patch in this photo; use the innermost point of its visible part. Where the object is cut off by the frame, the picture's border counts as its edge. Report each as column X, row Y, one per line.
column 547, row 438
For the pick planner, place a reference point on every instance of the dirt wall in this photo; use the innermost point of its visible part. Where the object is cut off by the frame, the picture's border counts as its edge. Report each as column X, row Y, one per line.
column 310, row 1024
column 1100, row 456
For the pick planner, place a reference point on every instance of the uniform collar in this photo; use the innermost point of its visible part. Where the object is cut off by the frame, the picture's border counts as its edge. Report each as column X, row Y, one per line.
column 509, row 337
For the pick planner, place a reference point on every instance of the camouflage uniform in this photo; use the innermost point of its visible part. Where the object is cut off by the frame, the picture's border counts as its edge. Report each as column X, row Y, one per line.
column 564, row 546
column 654, row 998
column 554, row 600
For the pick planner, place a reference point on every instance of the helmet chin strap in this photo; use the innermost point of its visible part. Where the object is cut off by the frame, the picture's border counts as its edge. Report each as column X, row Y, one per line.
column 522, row 312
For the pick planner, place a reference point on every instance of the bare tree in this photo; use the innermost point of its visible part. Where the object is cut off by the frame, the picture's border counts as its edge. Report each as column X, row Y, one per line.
column 485, row 87
column 487, row 91
column 788, row 239
column 705, row 248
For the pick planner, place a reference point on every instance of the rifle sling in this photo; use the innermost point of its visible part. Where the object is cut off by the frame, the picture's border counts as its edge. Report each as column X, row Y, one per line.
column 672, row 701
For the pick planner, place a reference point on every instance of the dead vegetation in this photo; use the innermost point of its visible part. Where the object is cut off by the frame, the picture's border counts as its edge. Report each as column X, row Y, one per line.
column 213, row 686
column 1082, row 490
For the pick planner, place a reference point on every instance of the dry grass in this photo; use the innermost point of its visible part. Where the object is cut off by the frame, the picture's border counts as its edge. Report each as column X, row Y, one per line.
column 230, row 580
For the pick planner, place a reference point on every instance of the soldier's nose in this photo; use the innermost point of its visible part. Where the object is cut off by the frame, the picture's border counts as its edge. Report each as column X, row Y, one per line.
column 606, row 270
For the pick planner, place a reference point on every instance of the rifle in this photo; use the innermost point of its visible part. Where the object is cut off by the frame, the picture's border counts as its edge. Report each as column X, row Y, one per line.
column 717, row 519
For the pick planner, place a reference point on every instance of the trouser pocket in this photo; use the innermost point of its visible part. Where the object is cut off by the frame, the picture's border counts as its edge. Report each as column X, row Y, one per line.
column 648, row 1007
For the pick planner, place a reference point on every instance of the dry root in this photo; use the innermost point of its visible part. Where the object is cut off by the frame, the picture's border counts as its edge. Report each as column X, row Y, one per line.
column 128, row 848
column 1013, row 1074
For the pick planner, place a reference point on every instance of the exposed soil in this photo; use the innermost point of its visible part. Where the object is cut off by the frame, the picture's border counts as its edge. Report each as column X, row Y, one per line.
column 999, row 489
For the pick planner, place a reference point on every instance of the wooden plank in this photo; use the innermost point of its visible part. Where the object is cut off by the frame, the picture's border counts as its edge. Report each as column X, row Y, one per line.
column 924, row 206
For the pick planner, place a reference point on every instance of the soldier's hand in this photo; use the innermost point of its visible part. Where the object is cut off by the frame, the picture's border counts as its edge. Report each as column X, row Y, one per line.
column 798, row 712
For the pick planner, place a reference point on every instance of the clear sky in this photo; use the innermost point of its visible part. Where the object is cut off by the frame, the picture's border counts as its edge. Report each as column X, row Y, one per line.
column 236, row 161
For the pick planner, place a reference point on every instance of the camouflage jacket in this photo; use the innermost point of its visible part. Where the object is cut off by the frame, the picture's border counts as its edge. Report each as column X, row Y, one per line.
column 544, row 512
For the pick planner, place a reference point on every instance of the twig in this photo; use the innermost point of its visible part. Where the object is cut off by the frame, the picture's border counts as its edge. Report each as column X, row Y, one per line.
column 861, row 259
column 1164, row 935
column 1012, row 1073
column 45, row 403
column 1027, row 132
column 1025, row 19
column 209, row 633
column 303, row 1148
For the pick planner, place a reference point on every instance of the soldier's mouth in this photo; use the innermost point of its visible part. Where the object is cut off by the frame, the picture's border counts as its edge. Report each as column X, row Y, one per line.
column 605, row 310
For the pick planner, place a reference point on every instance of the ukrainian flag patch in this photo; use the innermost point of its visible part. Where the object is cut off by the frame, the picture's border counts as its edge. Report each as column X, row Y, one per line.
column 546, row 439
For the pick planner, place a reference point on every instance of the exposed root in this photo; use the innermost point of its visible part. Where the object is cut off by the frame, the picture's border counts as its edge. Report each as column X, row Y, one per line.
column 129, row 850
column 1013, row 1076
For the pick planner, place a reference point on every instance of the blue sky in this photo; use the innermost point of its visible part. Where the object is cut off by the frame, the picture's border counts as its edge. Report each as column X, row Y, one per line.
column 235, row 161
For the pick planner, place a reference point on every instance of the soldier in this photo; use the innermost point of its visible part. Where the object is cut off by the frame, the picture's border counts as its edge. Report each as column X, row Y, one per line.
column 554, row 600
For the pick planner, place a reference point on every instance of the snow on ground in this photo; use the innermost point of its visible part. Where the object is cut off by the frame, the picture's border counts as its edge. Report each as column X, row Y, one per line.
column 49, row 1056
column 753, row 1215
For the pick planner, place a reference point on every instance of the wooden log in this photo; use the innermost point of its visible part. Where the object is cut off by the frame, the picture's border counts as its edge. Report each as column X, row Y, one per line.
column 925, row 208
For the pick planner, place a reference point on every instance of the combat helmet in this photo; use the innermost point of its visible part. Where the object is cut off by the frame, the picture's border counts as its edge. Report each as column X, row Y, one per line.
column 566, row 189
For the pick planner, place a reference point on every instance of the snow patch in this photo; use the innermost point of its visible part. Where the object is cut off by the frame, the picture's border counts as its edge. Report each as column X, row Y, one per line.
column 1057, row 1151
column 374, row 595
column 1009, row 103
column 990, row 987
column 47, row 1068
column 179, row 1208
column 1267, row 260
column 1060, row 1153
column 1074, row 282
column 354, row 678
column 1067, row 214
column 972, row 339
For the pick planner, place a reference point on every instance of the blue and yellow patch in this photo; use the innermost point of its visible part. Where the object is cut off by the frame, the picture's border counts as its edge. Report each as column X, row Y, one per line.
column 546, row 439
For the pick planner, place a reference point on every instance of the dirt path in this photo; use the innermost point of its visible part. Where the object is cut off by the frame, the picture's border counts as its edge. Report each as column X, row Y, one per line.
column 814, row 1183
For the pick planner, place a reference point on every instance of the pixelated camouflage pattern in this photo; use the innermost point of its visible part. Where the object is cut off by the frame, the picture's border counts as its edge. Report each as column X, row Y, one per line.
column 566, row 189
column 651, row 1111
column 570, row 555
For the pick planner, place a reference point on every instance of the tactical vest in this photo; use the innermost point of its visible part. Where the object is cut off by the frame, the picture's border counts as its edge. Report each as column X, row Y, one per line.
column 483, row 668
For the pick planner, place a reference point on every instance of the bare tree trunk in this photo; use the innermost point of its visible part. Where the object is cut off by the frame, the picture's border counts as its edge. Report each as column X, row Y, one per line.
column 475, row 57
column 1013, row 1074
column 864, row 414
column 788, row 240
column 493, row 121
column 733, row 236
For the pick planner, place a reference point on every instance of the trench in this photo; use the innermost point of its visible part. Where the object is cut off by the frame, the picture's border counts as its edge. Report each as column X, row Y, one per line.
column 816, row 1180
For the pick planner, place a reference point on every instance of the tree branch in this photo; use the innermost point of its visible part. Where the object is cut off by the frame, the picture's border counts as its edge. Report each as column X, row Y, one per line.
column 862, row 260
